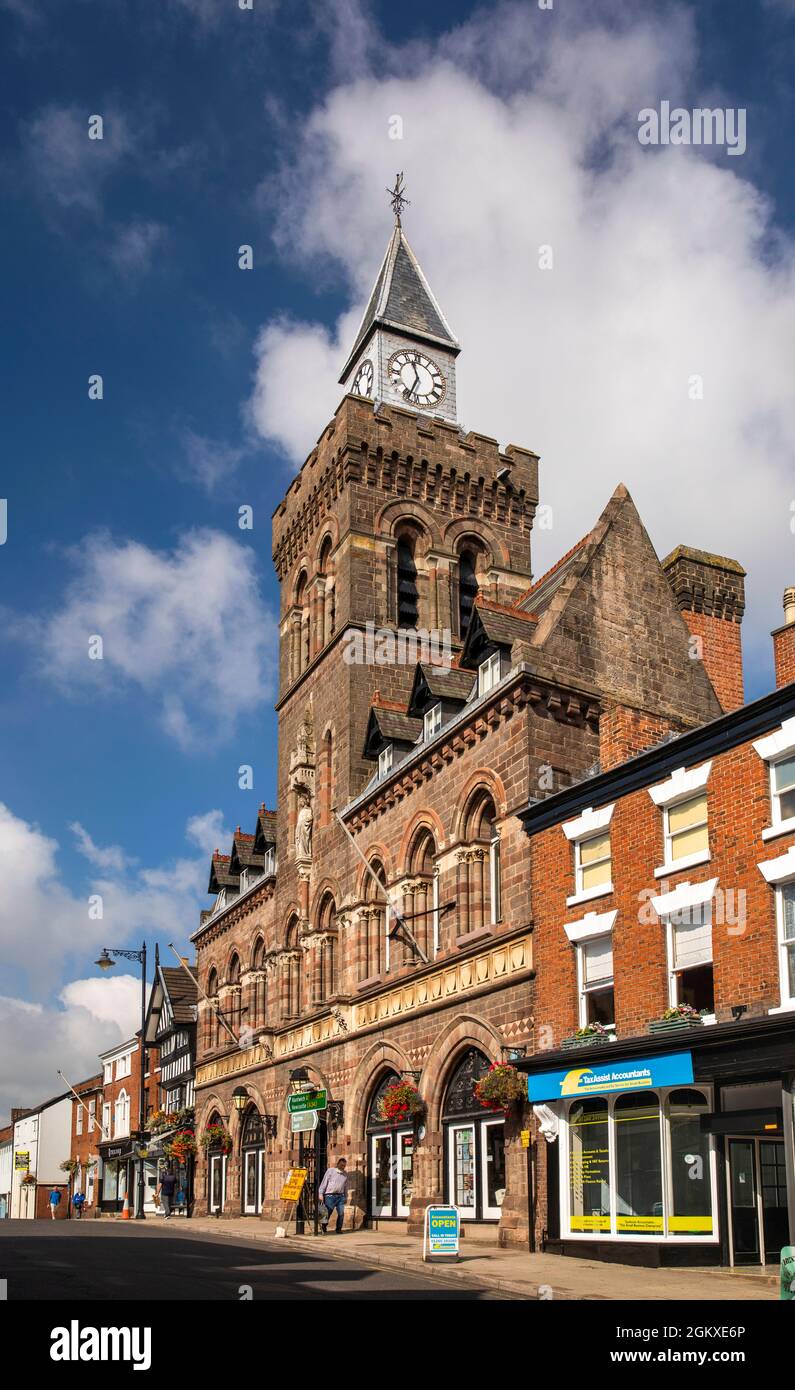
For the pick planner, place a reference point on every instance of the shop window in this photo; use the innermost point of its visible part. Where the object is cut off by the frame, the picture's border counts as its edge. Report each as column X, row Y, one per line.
column 690, row 957
column 639, row 1201
column 390, row 1158
column 488, row 673
column 786, row 917
column 691, row 1199
column 686, row 831
column 589, row 1166
column 474, row 1146
column 593, row 865
column 595, row 969
column 783, row 790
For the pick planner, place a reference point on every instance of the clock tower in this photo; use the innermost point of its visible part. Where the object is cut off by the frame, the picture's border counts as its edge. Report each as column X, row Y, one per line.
column 404, row 353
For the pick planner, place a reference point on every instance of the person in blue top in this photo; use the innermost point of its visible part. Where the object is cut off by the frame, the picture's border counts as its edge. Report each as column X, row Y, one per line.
column 55, row 1200
column 77, row 1202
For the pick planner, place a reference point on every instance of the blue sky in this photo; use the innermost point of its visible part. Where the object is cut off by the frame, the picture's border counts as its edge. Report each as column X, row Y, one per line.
column 269, row 128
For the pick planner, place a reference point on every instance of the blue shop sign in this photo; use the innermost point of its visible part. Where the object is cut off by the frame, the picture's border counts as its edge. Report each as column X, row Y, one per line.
column 675, row 1069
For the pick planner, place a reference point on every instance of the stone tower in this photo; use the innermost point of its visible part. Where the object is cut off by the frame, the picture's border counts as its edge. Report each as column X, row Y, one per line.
column 395, row 522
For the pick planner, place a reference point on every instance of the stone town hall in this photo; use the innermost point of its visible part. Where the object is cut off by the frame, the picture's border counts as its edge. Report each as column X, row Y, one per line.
column 399, row 944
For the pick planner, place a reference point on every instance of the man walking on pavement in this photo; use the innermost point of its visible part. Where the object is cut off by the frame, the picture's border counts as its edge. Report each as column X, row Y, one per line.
column 55, row 1199
column 332, row 1190
column 166, row 1192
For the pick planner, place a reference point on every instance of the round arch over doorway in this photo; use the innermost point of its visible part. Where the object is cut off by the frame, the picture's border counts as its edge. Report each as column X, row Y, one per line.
column 390, row 1159
column 474, row 1143
column 252, row 1162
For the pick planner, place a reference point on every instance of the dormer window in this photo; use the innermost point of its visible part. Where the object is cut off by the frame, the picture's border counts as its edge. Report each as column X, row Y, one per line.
column 243, row 880
column 269, row 868
column 432, row 722
column 488, row 673
column 385, row 761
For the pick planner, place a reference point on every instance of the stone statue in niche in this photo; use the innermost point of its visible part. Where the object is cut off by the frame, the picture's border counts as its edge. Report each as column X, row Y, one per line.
column 303, row 828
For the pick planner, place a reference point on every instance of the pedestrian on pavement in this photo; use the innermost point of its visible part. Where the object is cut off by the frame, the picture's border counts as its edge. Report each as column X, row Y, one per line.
column 77, row 1203
column 55, row 1198
column 166, row 1192
column 332, row 1190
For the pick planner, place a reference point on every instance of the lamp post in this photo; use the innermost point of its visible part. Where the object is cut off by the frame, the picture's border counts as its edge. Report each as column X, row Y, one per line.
column 106, row 962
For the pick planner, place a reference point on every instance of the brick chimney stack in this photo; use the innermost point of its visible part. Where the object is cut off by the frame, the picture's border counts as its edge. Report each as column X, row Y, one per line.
column 710, row 594
column 784, row 642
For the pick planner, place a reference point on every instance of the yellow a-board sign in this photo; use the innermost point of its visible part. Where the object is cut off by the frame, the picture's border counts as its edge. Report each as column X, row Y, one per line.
column 294, row 1185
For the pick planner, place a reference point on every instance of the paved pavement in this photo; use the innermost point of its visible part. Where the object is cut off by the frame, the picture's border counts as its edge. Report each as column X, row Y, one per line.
column 516, row 1273
column 113, row 1260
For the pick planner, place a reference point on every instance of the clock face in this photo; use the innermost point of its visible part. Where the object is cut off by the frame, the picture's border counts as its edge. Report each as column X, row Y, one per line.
column 416, row 377
column 363, row 381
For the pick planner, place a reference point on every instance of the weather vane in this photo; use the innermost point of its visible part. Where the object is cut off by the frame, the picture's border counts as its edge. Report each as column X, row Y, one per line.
column 399, row 200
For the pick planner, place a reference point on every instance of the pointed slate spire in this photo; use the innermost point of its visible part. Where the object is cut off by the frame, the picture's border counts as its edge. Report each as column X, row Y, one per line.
column 402, row 302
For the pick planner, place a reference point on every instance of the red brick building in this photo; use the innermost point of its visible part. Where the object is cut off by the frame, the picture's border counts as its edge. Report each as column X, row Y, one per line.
column 666, row 884
column 118, row 1112
column 381, row 923
column 86, row 1138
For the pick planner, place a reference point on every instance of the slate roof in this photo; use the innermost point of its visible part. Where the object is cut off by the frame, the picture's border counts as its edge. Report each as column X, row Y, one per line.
column 183, row 993
column 493, row 622
column 403, row 300
column 389, row 726
column 441, row 683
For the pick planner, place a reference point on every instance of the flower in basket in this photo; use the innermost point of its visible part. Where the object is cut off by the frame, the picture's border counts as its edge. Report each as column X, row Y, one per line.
column 500, row 1087
column 69, row 1165
column 216, row 1137
column 29, row 1179
column 592, row 1030
column 401, row 1101
column 183, row 1144
column 683, row 1011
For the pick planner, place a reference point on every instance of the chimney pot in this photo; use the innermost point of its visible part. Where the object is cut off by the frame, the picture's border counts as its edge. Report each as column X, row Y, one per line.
column 789, row 605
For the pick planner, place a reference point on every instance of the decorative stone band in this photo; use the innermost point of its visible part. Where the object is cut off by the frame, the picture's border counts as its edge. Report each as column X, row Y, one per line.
column 450, row 982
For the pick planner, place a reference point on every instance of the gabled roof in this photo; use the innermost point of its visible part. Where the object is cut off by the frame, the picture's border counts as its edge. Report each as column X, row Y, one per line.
column 220, row 876
column 495, row 624
column 265, row 834
column 244, row 853
column 389, row 726
column 402, row 300
column 182, row 991
column 439, row 683
column 540, row 594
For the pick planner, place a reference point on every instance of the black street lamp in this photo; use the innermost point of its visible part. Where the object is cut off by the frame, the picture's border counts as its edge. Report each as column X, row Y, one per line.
column 106, row 962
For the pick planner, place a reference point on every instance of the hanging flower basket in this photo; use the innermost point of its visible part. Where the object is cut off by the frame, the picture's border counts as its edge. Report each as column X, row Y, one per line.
column 216, row 1137
column 29, row 1180
column 400, row 1102
column 182, row 1145
column 500, row 1087
column 70, row 1166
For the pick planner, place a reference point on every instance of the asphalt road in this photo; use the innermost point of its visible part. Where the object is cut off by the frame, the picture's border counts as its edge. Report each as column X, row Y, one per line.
column 76, row 1260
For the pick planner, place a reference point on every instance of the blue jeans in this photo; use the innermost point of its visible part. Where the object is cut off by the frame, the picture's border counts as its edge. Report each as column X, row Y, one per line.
column 330, row 1201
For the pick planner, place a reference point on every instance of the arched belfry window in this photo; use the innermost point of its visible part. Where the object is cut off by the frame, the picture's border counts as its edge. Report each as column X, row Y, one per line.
column 408, row 599
column 467, row 588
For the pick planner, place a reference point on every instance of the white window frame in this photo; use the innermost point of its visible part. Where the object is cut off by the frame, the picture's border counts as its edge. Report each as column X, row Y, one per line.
column 79, row 1118
column 432, row 722
column 666, row 1237
column 123, row 1066
column 685, row 861
column 121, row 1115
column 780, row 873
column 667, row 905
column 673, row 973
column 488, row 674
column 495, row 878
column 585, row 827
column 787, row 999
column 107, row 1073
column 772, row 750
column 592, row 925
column 583, row 990
column 106, row 1108
column 385, row 762
column 682, row 785
column 92, row 1115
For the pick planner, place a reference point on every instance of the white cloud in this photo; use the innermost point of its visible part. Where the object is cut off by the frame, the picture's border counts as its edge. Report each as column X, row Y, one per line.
column 134, row 248
column 208, row 831
column 109, row 857
column 208, row 462
column 188, row 628
column 68, row 169
column 520, row 130
column 37, row 1040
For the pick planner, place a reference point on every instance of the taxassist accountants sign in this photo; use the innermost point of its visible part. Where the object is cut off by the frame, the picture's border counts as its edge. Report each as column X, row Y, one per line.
column 675, row 1069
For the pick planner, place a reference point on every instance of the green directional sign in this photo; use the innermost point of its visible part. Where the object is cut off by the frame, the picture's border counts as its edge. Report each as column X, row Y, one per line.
column 306, row 1100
